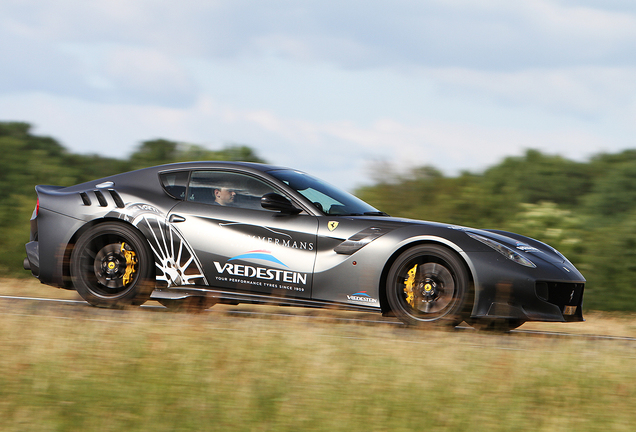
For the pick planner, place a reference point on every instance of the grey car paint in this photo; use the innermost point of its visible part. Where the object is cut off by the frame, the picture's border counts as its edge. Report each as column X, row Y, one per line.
column 309, row 255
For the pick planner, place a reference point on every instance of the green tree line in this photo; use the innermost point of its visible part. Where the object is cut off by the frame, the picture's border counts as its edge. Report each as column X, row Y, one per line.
column 27, row 160
column 587, row 210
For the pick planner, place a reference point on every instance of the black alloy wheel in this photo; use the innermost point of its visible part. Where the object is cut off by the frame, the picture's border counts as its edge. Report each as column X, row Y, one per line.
column 429, row 284
column 112, row 266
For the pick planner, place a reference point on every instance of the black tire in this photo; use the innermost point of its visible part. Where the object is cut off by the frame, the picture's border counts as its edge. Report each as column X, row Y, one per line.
column 194, row 304
column 112, row 266
column 502, row 325
column 429, row 285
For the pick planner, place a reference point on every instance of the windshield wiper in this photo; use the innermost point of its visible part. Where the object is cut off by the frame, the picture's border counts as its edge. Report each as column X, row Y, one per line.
column 378, row 213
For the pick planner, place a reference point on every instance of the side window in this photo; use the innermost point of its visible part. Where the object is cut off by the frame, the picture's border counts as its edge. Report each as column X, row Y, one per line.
column 227, row 189
column 174, row 183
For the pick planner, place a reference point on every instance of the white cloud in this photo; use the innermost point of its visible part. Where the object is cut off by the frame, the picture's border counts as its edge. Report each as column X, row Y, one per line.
column 337, row 151
column 581, row 91
column 460, row 33
column 326, row 85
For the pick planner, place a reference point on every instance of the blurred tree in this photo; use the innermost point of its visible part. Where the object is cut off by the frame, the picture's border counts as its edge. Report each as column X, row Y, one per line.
column 403, row 193
column 610, row 266
column 28, row 160
column 155, row 152
column 613, row 194
column 537, row 177
column 560, row 228
column 425, row 193
column 586, row 210
column 161, row 151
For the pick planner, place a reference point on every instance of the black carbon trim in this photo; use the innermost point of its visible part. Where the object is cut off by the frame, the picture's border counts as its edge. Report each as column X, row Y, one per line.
column 117, row 198
column 101, row 198
column 85, row 199
column 359, row 240
column 562, row 294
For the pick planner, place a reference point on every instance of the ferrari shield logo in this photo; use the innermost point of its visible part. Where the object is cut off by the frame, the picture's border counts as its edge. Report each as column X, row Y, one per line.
column 332, row 225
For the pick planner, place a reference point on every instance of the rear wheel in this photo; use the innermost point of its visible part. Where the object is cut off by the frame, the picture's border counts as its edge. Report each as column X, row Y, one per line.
column 112, row 266
column 429, row 284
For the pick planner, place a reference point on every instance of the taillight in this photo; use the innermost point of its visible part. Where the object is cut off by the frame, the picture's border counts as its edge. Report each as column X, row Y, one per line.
column 37, row 208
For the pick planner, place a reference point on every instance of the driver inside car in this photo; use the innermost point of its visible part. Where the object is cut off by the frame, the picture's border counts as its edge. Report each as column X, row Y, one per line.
column 224, row 196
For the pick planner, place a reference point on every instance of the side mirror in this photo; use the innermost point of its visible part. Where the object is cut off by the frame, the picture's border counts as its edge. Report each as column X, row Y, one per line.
column 277, row 202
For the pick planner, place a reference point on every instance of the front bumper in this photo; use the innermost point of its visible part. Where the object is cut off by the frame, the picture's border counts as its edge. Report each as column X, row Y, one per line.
column 563, row 303
column 506, row 290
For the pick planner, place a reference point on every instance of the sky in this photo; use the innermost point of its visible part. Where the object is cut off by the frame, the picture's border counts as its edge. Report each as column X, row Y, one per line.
column 335, row 88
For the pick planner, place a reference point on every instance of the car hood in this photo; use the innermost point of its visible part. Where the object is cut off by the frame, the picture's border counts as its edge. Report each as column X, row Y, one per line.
column 520, row 243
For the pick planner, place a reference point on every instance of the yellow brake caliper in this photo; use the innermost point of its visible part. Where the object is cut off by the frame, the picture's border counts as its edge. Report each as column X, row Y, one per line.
column 408, row 286
column 131, row 261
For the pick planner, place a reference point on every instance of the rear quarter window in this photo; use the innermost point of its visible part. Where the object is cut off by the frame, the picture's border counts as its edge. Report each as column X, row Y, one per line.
column 174, row 183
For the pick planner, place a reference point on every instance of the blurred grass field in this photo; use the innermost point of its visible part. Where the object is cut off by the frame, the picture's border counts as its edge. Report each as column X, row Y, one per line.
column 74, row 368
column 620, row 324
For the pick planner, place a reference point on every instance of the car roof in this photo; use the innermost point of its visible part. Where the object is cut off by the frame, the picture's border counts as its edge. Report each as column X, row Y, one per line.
column 217, row 164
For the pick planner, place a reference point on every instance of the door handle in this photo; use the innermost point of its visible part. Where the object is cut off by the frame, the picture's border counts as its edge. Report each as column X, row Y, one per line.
column 174, row 218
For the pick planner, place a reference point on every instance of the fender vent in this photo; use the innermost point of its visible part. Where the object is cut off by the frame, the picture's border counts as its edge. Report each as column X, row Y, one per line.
column 85, row 199
column 101, row 198
column 117, row 198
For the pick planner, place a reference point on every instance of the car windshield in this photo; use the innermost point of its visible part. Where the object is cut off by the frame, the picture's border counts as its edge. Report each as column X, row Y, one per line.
column 326, row 198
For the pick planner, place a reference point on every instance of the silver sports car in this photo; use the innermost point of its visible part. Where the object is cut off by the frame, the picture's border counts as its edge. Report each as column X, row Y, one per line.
column 199, row 233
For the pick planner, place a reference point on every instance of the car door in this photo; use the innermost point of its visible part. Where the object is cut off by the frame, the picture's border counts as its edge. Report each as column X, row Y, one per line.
column 240, row 245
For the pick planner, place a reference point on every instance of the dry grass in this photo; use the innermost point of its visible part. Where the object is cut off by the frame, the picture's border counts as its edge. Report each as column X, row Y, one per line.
column 597, row 323
column 617, row 324
column 82, row 368
column 31, row 287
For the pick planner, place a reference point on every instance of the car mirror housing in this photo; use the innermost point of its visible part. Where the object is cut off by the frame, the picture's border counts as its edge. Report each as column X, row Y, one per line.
column 277, row 202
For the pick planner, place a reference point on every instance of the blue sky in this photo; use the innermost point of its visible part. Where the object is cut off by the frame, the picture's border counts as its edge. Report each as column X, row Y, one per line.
column 329, row 87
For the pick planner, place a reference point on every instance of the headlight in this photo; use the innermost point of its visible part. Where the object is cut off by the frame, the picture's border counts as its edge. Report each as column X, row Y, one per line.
column 504, row 250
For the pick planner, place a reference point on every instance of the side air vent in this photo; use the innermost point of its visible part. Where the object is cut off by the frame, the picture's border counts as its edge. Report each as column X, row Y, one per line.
column 101, row 198
column 118, row 201
column 85, row 199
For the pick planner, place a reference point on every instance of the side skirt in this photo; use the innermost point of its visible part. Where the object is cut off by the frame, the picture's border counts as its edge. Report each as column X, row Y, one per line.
column 182, row 292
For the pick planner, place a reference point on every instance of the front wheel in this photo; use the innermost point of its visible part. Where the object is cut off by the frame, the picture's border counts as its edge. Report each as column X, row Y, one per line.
column 429, row 284
column 112, row 266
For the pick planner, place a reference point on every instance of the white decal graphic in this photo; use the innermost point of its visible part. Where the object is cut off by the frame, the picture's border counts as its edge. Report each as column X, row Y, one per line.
column 175, row 259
